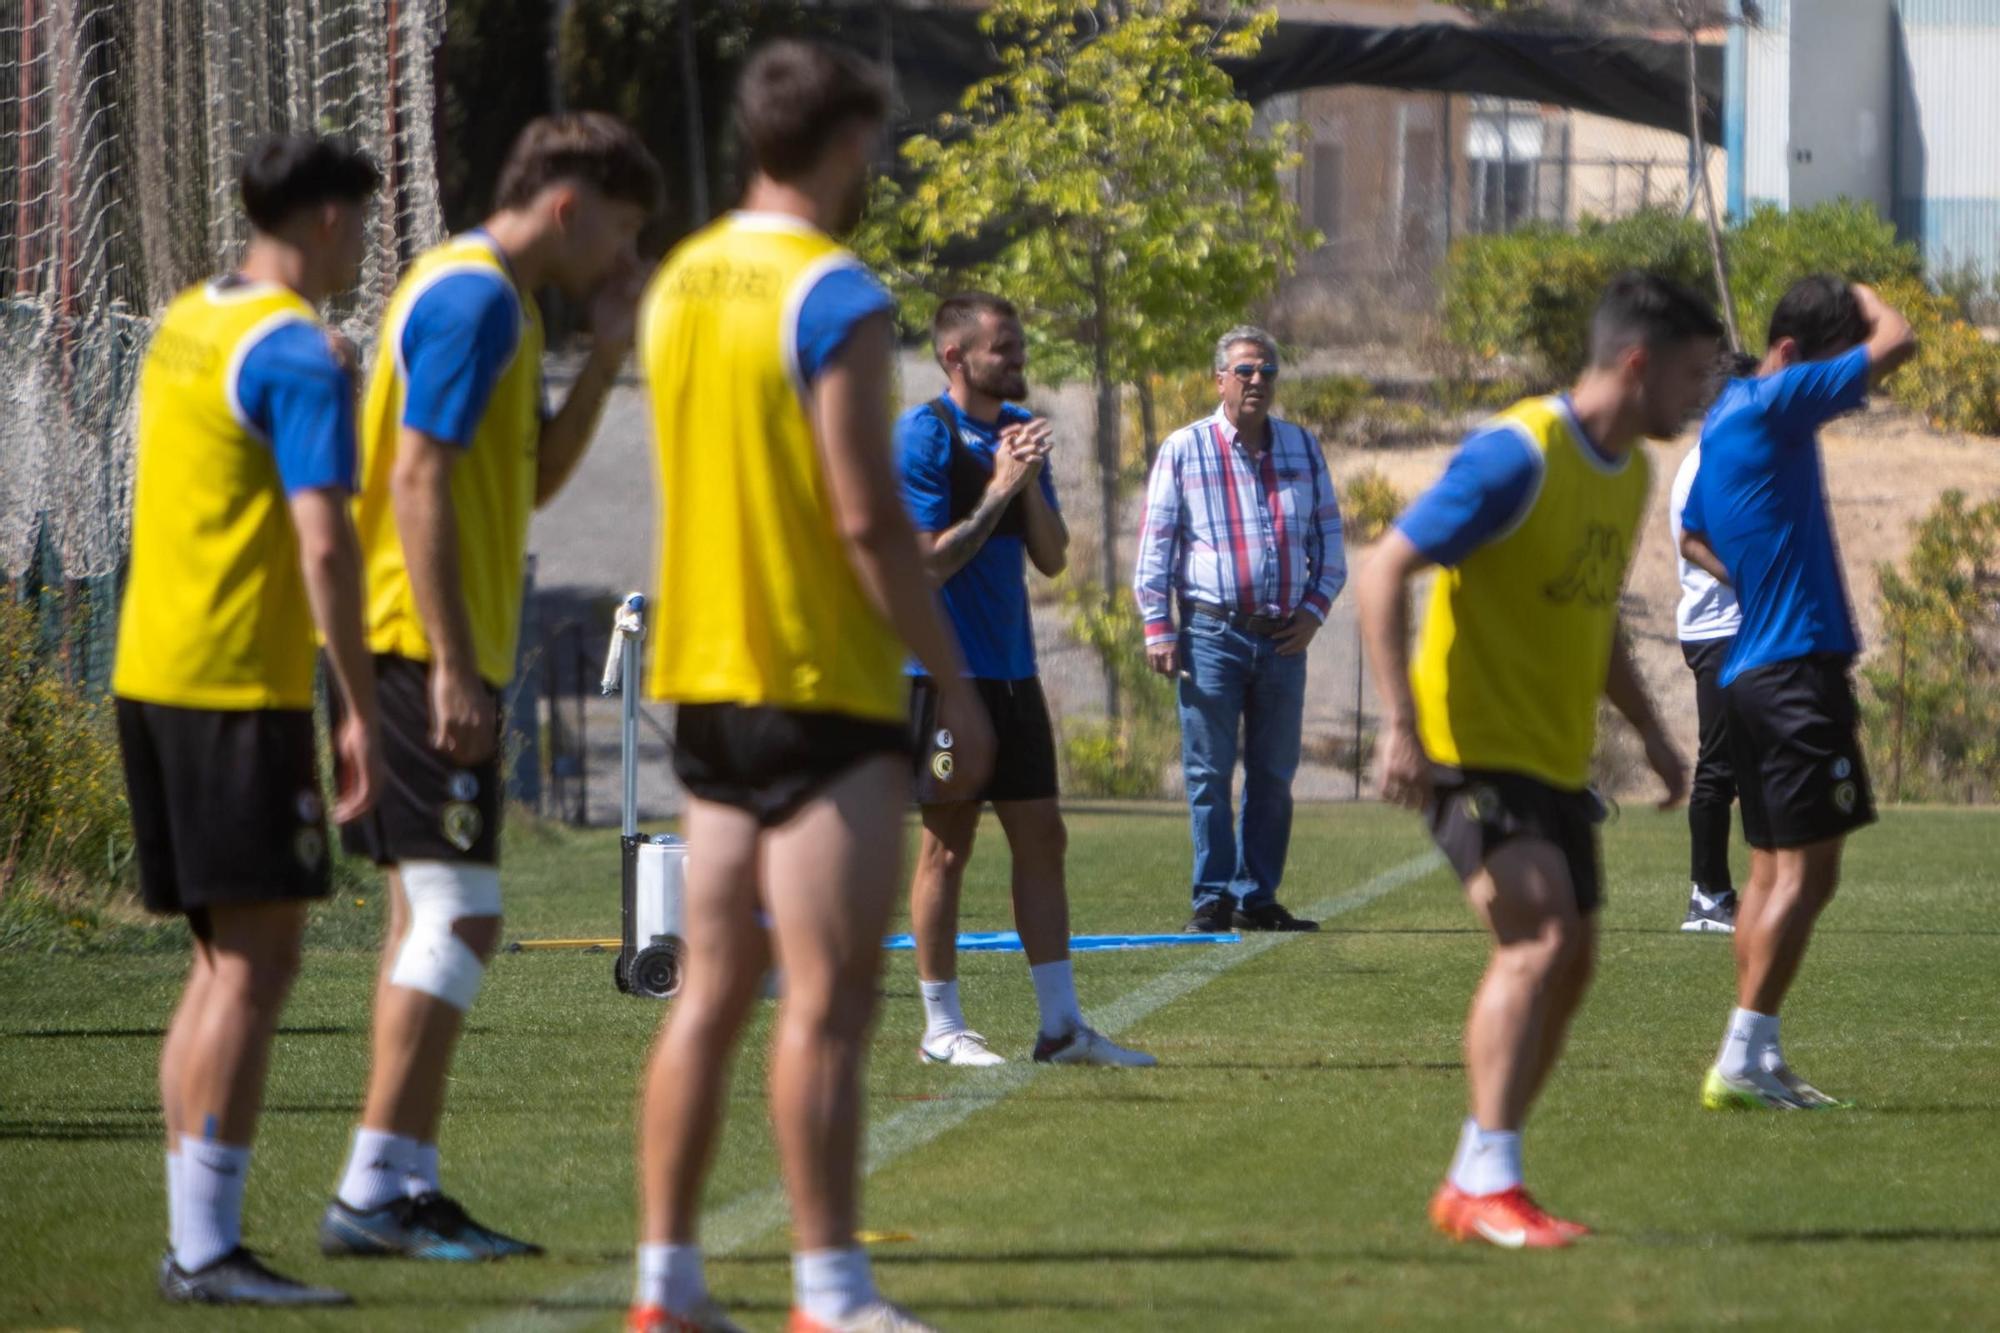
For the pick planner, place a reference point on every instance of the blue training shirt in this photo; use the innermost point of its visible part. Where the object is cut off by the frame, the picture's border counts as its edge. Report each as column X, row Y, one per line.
column 987, row 600
column 835, row 304
column 1760, row 501
column 459, row 338
column 301, row 399
column 1485, row 489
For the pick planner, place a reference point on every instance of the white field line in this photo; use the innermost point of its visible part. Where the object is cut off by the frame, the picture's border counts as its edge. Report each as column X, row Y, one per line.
column 761, row 1211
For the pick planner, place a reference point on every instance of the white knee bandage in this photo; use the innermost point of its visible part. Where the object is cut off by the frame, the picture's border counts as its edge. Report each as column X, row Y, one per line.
column 433, row 958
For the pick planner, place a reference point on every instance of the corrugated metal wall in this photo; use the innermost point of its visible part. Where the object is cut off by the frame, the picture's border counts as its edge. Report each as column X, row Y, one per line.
column 1768, row 108
column 1948, row 111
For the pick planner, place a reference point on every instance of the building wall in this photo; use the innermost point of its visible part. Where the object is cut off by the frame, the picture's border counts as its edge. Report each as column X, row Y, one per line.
column 1768, row 109
column 1618, row 168
column 1842, row 95
column 1947, row 180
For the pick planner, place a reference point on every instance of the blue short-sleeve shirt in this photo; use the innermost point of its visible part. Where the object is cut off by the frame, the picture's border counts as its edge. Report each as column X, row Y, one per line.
column 1760, row 501
column 987, row 600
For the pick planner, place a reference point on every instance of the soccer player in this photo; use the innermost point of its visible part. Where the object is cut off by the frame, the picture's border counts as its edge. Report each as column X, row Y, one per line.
column 1490, row 732
column 456, row 454
column 1757, row 518
column 976, row 481
column 1707, row 620
column 242, row 546
column 789, row 573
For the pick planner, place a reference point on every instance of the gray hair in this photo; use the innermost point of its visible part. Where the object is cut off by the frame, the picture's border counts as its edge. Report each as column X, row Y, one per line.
column 1244, row 333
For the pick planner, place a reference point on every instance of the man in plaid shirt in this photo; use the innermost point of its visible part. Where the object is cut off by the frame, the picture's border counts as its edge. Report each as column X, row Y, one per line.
column 1243, row 523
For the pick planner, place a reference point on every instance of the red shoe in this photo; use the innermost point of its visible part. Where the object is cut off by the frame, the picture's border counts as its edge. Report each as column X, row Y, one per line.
column 881, row 1317
column 654, row 1319
column 1508, row 1218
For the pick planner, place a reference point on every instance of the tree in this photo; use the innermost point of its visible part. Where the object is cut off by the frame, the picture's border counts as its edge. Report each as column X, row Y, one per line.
column 1122, row 192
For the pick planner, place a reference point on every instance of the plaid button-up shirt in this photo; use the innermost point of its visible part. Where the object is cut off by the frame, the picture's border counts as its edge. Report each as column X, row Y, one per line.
column 1255, row 532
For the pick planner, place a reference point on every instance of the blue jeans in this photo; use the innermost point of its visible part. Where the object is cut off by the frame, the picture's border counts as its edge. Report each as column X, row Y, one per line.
column 1235, row 678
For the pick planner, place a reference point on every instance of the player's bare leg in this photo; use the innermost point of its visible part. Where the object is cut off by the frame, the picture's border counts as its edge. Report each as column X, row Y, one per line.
column 687, row 1075
column 1038, row 842
column 1534, row 982
column 1788, row 890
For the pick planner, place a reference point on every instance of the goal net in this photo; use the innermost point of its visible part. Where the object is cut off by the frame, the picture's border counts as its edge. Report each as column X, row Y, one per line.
column 122, row 124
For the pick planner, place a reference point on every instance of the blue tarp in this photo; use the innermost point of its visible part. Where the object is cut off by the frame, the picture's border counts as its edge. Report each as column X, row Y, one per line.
column 1007, row 941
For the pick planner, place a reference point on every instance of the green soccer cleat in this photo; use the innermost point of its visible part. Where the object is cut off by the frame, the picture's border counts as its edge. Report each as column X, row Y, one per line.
column 1760, row 1092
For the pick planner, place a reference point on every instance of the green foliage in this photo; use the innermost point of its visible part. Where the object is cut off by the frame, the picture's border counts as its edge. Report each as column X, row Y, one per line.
column 1323, row 404
column 64, row 835
column 1125, row 756
column 1940, row 676
column 1772, row 249
column 1369, row 503
column 1954, row 380
column 1124, row 172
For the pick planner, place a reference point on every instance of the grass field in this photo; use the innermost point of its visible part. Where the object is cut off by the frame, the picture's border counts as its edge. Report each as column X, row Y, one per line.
column 1271, row 1174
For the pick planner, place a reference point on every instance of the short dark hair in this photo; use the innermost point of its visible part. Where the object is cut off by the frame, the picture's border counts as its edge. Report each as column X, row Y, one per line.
column 794, row 97
column 283, row 174
column 1645, row 309
column 962, row 310
column 588, row 147
column 1821, row 314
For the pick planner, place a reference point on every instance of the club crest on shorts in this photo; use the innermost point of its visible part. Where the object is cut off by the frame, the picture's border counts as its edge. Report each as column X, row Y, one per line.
column 942, row 765
column 461, row 825
column 307, row 805
column 1844, row 796
column 1841, row 768
column 463, row 786
column 943, row 738
column 309, row 846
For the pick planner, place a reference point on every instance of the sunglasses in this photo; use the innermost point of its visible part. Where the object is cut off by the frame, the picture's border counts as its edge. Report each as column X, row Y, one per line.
column 1247, row 370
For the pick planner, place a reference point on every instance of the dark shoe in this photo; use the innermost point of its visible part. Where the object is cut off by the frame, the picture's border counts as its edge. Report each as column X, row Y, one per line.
column 1211, row 920
column 240, row 1278
column 432, row 1226
column 1271, row 916
column 1710, row 916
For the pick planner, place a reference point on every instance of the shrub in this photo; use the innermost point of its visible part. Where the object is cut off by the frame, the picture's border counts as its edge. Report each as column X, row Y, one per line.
column 1954, row 380
column 1932, row 704
column 1772, row 249
column 1127, row 756
column 1369, row 503
column 1323, row 404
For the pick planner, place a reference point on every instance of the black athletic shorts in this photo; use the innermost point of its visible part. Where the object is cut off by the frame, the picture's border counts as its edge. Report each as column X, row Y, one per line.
column 226, row 807
column 432, row 808
column 1024, row 750
column 772, row 761
column 1474, row 811
column 1794, row 742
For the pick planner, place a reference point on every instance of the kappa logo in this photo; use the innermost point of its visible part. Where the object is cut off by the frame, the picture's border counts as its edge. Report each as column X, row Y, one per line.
column 1595, row 571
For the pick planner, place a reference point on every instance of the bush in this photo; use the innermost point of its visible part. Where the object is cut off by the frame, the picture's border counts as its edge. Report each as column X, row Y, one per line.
column 1932, row 704
column 1126, row 757
column 1772, row 249
column 1954, row 380
column 1369, row 503
column 1323, row 404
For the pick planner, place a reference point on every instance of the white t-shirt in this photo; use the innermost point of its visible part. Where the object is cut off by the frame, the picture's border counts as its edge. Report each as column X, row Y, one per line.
column 1708, row 609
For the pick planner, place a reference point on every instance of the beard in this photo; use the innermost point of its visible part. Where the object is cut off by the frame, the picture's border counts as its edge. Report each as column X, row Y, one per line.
column 1008, row 386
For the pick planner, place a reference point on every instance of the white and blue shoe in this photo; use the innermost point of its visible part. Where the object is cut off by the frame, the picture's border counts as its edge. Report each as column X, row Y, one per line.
column 1710, row 915
column 965, row 1048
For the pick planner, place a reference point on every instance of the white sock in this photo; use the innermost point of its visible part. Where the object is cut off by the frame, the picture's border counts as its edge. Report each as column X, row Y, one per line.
column 212, row 1177
column 420, row 1173
column 1494, row 1164
column 670, row 1277
column 832, row 1285
column 1468, row 1139
column 1055, row 996
column 174, row 1201
column 943, row 1019
column 1744, row 1042
column 376, row 1168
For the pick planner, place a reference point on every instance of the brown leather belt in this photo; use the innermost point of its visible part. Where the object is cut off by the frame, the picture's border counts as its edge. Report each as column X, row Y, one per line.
column 1265, row 626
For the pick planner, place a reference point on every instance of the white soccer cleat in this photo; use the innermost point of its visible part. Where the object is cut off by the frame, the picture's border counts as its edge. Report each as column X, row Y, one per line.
column 1759, row 1090
column 966, row 1049
column 877, row 1317
column 1087, row 1046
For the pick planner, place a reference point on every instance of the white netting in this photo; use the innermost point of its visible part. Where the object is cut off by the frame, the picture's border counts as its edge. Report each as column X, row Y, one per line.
column 122, row 123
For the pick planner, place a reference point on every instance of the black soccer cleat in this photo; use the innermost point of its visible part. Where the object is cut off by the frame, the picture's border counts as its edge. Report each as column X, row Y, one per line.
column 240, row 1278
column 1272, row 916
column 431, row 1226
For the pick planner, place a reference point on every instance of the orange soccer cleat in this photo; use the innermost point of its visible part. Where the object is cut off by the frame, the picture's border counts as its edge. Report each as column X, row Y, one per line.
column 1508, row 1218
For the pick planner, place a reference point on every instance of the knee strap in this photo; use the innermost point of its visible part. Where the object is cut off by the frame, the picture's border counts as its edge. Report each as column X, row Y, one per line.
column 433, row 959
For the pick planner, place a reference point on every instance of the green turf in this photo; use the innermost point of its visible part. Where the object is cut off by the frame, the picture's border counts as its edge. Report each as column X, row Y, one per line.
column 1271, row 1174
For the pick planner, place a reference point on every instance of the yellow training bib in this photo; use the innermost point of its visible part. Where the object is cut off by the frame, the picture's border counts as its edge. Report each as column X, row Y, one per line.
column 1517, row 639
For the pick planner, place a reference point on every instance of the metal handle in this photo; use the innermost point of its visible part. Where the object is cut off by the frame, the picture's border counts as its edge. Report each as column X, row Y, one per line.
column 621, row 673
